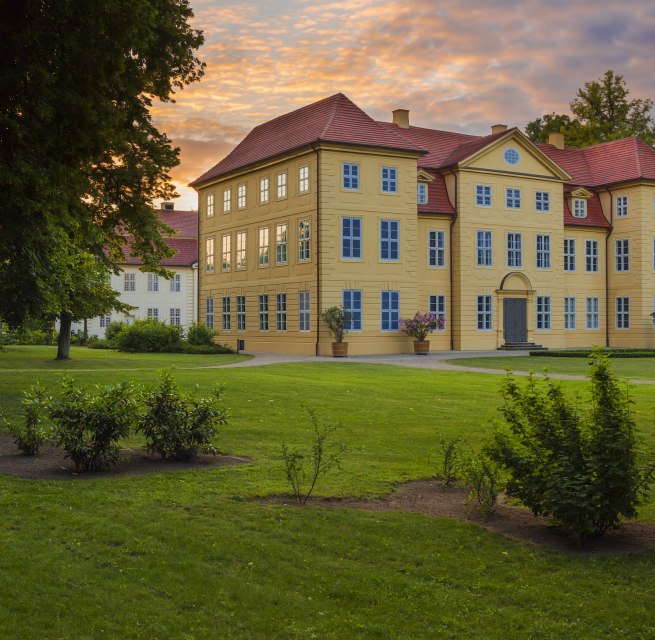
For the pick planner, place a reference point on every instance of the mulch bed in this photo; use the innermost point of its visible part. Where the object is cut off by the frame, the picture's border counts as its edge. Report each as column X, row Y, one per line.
column 430, row 498
column 52, row 465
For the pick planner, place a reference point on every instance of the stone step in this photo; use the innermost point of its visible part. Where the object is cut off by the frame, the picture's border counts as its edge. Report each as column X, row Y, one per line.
column 522, row 346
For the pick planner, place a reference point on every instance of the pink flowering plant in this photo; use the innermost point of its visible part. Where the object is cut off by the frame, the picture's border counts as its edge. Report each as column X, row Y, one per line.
column 421, row 325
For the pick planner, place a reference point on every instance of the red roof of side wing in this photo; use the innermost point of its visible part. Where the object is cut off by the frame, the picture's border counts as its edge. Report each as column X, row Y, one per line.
column 334, row 119
column 184, row 243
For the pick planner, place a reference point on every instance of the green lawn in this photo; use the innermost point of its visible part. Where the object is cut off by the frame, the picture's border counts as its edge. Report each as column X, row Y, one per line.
column 191, row 555
column 643, row 368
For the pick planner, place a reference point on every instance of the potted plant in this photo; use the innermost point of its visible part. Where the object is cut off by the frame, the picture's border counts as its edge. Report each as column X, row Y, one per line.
column 337, row 320
column 419, row 327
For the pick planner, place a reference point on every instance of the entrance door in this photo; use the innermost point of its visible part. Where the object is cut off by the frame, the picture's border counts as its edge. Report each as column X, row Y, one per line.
column 515, row 320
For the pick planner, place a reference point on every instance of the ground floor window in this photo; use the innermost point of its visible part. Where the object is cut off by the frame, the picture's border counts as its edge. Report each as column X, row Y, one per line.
column 623, row 313
column 105, row 321
column 209, row 312
column 569, row 313
column 241, row 313
column 175, row 317
column 592, row 313
column 543, row 312
column 227, row 314
column 484, row 313
column 352, row 306
column 281, row 312
column 389, row 310
column 153, row 314
column 263, row 312
column 304, row 323
column 437, row 305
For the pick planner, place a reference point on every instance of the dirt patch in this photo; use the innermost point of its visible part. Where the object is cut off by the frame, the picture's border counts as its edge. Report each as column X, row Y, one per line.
column 52, row 465
column 430, row 498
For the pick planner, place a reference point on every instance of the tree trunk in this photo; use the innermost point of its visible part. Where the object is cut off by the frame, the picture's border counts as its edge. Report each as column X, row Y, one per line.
column 64, row 340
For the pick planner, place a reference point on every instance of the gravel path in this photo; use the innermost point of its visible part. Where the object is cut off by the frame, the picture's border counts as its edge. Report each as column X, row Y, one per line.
column 436, row 360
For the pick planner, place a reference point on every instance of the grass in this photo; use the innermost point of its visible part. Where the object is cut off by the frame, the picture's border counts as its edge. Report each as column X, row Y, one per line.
column 191, row 555
column 632, row 368
column 30, row 358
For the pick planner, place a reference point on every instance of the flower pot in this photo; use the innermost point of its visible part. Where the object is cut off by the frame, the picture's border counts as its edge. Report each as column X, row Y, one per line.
column 339, row 349
column 421, row 347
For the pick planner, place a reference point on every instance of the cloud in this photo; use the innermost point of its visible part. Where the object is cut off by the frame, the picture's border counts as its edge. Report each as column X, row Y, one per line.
column 456, row 64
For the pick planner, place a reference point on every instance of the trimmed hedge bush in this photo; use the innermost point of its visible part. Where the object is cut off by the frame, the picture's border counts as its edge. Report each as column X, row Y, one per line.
column 200, row 335
column 585, row 353
column 148, row 336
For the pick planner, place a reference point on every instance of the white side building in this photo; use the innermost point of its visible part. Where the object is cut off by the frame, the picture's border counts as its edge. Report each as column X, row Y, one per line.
column 173, row 301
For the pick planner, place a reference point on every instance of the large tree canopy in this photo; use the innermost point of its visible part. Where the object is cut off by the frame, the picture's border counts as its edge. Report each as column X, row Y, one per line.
column 601, row 111
column 79, row 154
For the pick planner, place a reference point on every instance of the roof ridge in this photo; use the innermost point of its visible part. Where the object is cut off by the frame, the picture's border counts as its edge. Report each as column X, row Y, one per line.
column 637, row 156
column 334, row 111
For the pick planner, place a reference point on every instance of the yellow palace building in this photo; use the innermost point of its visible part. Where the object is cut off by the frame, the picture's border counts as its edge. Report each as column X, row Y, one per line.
column 512, row 243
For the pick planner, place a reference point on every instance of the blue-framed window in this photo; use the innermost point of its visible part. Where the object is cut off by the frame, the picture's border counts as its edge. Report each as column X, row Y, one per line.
column 513, row 198
column 436, row 249
column 542, row 201
column 389, row 180
column 209, row 312
column 389, row 240
column 543, row 312
column 421, row 193
column 543, row 251
column 350, row 176
column 437, row 304
column 351, row 237
column 514, row 250
column 352, row 307
column 483, row 247
column 389, row 310
column 482, row 195
column 484, row 313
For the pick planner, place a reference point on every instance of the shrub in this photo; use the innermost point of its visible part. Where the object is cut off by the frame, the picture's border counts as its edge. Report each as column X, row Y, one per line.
column 481, row 474
column 337, row 321
column 177, row 425
column 146, row 336
column 303, row 471
column 583, row 473
column 451, row 453
column 421, row 325
column 36, row 429
column 113, row 329
column 88, row 426
column 201, row 335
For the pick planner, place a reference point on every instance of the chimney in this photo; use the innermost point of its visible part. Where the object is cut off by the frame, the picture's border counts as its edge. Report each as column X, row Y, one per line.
column 168, row 206
column 401, row 118
column 498, row 128
column 556, row 139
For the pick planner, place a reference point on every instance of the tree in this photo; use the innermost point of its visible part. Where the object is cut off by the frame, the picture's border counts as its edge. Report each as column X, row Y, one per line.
column 601, row 112
column 85, row 293
column 80, row 159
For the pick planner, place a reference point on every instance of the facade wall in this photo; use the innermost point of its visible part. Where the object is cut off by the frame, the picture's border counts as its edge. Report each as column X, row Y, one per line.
column 472, row 279
column 253, row 279
column 580, row 313
column 163, row 300
column 638, row 282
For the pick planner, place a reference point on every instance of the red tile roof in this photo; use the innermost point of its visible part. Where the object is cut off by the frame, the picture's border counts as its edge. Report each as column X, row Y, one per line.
column 439, row 144
column 334, row 119
column 438, row 201
column 606, row 163
column 595, row 217
column 184, row 243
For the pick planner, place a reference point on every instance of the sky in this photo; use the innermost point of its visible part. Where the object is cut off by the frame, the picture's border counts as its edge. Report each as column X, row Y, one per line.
column 456, row 65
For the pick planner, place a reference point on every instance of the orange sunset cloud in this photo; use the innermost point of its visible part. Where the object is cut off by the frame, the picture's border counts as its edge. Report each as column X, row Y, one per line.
column 456, row 65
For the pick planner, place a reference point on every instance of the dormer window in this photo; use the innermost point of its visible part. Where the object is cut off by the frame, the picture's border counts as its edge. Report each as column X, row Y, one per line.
column 422, row 193
column 579, row 208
